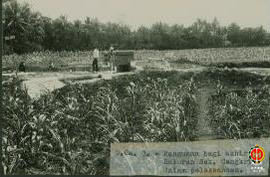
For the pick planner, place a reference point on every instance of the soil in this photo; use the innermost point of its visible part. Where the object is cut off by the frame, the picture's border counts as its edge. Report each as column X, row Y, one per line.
column 204, row 130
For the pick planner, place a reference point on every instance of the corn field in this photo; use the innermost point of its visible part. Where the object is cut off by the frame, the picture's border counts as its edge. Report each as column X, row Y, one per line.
column 241, row 113
column 70, row 130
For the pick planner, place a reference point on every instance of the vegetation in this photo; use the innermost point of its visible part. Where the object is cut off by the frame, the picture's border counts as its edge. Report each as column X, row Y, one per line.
column 241, row 114
column 70, row 131
column 209, row 56
column 44, row 59
column 34, row 32
column 230, row 57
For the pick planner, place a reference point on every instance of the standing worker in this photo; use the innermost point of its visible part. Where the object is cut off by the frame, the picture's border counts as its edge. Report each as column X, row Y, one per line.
column 111, row 54
column 95, row 61
column 22, row 67
column 106, row 58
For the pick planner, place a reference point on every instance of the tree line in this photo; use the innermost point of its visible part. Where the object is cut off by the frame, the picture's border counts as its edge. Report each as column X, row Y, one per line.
column 27, row 31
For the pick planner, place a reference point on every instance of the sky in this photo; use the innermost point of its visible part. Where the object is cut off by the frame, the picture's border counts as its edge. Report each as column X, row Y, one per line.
column 135, row 13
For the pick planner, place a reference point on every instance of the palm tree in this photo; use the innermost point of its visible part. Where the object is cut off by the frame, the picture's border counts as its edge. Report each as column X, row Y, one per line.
column 20, row 22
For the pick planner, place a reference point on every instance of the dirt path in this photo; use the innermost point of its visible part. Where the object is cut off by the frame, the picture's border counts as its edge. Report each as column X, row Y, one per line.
column 260, row 71
column 204, row 131
column 38, row 83
column 42, row 82
column 38, row 86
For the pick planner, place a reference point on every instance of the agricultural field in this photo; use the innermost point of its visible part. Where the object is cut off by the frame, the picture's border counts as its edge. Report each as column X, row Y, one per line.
column 212, row 55
column 231, row 57
column 69, row 130
column 77, row 82
column 40, row 61
column 218, row 57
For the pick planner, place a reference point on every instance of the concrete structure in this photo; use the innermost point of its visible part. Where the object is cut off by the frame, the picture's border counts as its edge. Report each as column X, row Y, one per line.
column 123, row 60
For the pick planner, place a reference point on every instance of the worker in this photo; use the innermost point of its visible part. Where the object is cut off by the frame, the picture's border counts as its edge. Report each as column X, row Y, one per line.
column 112, row 59
column 106, row 58
column 95, row 60
column 22, row 67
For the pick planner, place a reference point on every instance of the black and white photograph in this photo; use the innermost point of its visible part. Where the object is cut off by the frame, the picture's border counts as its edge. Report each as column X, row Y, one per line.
column 136, row 87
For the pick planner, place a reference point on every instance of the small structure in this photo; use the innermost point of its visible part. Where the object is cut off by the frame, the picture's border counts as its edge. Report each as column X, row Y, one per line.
column 123, row 60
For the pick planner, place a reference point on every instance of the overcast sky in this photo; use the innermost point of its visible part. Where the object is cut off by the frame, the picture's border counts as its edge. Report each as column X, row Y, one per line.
column 247, row 13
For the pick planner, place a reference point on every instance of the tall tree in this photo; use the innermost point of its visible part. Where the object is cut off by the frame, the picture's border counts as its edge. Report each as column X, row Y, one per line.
column 25, row 25
column 160, row 36
column 35, row 32
column 234, row 34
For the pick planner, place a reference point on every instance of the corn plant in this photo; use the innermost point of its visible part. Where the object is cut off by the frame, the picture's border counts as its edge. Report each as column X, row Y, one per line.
column 241, row 115
column 70, row 130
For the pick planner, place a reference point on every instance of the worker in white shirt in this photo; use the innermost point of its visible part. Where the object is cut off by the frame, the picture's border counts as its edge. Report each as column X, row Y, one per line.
column 95, row 61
